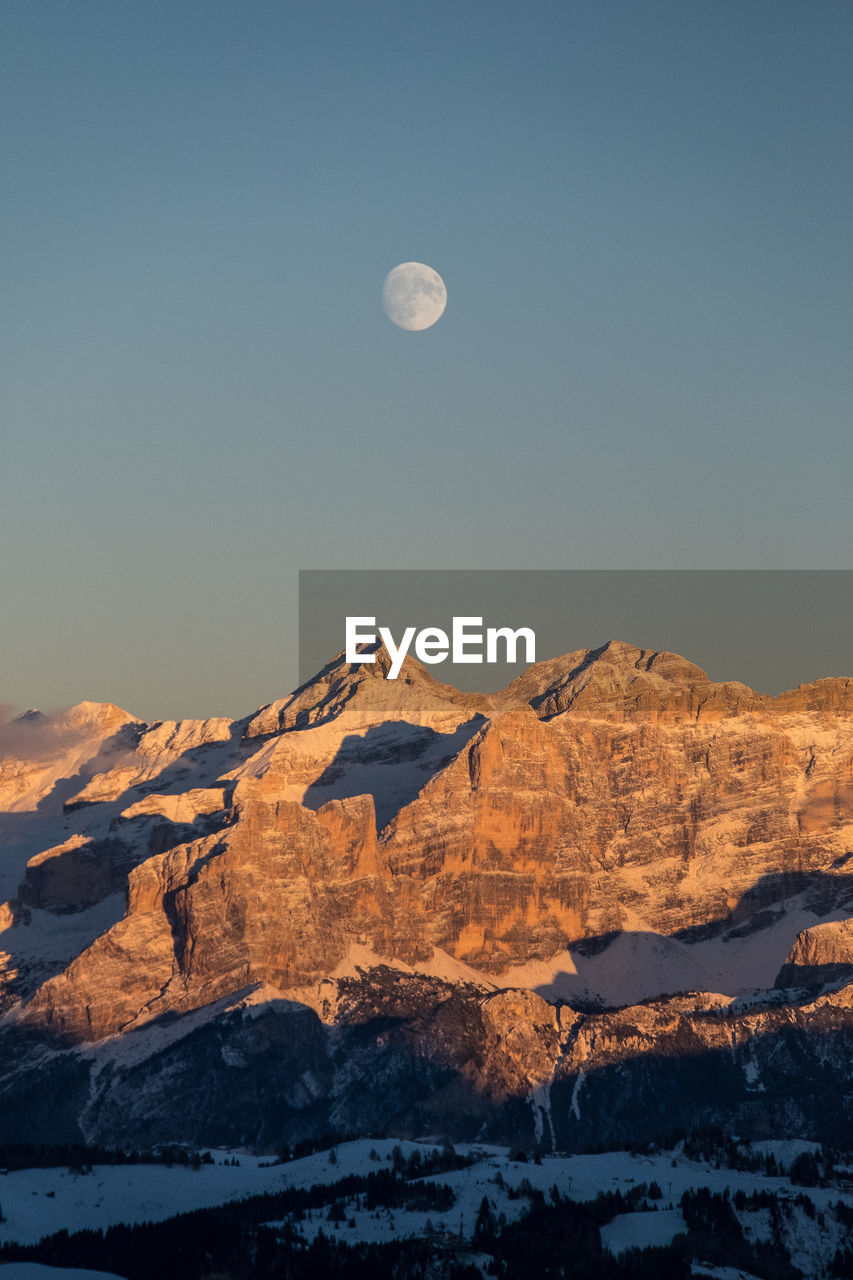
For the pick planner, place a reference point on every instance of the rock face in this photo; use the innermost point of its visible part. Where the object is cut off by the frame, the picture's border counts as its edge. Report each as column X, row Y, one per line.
column 820, row 955
column 408, row 1054
column 612, row 827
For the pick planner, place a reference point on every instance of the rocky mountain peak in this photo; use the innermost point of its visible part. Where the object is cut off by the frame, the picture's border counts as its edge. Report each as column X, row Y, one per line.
column 362, row 689
column 591, row 830
column 618, row 681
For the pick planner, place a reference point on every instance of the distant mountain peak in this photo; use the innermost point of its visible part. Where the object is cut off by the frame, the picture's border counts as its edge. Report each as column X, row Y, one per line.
column 33, row 716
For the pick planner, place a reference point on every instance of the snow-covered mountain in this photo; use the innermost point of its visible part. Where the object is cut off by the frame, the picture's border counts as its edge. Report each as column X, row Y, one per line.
column 464, row 897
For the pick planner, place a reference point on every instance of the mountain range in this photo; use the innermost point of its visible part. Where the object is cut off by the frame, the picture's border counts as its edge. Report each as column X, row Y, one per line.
column 610, row 903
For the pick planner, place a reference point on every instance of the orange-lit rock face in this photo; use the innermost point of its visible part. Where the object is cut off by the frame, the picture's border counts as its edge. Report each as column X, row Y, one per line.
column 494, row 842
column 608, row 790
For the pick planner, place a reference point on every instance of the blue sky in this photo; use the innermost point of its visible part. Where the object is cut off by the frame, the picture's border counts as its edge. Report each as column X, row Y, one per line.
column 642, row 213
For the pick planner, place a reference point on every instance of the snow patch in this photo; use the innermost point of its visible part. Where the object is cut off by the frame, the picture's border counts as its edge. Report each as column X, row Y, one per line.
column 576, row 1093
column 540, row 1100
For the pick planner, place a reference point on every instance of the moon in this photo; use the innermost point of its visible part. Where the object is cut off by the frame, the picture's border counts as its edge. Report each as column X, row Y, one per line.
column 414, row 296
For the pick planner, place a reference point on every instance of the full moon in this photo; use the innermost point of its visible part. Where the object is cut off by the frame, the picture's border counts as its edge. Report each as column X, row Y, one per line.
column 414, row 296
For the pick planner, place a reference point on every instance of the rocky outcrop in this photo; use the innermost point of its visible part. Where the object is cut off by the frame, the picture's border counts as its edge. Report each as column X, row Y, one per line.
column 822, row 954
column 408, row 1054
column 462, row 844
column 72, row 876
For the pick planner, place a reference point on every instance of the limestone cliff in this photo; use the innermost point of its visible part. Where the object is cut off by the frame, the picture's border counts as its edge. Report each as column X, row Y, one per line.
column 612, row 827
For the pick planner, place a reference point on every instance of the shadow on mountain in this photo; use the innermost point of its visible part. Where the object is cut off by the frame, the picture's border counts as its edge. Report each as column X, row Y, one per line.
column 623, row 967
column 410, row 1056
column 335, row 685
column 563, row 680
column 824, row 893
column 26, row 833
column 391, row 761
column 22, row 831
column 786, row 1081
column 198, row 766
column 72, row 866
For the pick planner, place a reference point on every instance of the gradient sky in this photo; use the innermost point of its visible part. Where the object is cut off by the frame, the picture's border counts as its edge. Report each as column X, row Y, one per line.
column 642, row 213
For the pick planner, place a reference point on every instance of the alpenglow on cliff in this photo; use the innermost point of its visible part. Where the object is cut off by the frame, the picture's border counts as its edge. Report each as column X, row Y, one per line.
column 612, row 898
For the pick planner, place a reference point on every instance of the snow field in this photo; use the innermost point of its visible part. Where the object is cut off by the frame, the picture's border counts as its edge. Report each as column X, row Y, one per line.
column 38, row 1202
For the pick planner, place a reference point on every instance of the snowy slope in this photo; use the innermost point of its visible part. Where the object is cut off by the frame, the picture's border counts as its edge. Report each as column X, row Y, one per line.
column 639, row 964
column 38, row 1202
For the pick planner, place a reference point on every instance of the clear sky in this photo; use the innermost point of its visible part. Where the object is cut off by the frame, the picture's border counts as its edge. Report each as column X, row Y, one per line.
column 642, row 213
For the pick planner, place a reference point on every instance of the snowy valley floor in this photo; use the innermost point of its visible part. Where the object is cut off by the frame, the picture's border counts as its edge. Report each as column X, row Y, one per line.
column 37, row 1202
